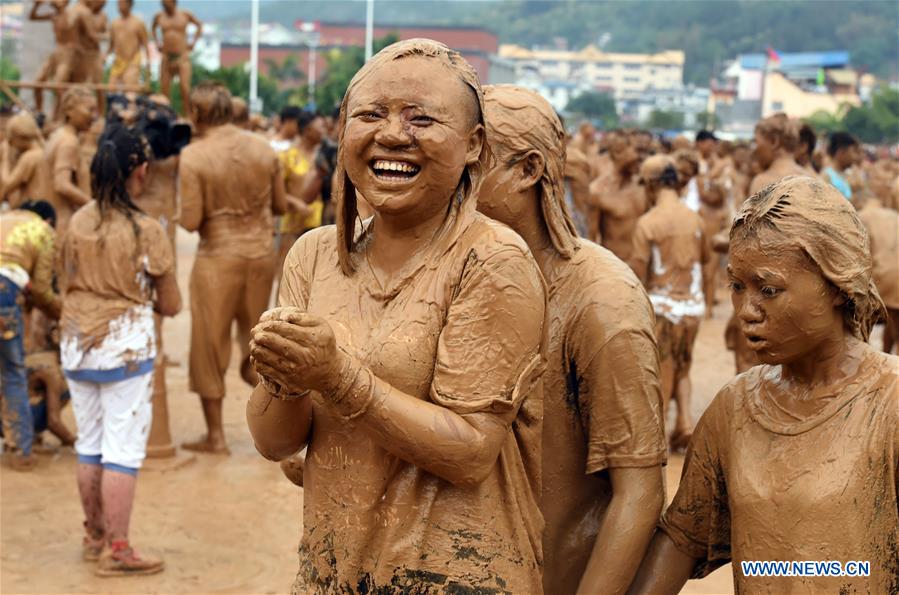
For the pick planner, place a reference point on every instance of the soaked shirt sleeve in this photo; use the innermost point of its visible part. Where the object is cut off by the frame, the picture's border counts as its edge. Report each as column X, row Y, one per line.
column 620, row 399
column 298, row 270
column 491, row 338
column 698, row 520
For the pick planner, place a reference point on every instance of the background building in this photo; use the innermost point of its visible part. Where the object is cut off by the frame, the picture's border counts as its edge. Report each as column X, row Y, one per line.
column 624, row 76
column 754, row 86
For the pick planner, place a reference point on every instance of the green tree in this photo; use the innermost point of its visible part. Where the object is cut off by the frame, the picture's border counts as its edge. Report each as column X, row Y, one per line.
column 287, row 71
column 237, row 80
column 595, row 106
column 707, row 121
column 663, row 120
column 342, row 66
column 824, row 122
column 8, row 72
column 876, row 123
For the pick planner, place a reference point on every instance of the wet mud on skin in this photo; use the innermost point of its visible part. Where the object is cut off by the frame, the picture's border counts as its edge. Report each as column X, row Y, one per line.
column 247, row 542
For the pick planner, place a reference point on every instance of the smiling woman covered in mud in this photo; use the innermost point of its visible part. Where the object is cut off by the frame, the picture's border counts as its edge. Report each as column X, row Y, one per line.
column 405, row 353
column 796, row 459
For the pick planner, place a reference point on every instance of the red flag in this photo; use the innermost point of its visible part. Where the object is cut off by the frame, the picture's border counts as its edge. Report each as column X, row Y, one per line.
column 773, row 57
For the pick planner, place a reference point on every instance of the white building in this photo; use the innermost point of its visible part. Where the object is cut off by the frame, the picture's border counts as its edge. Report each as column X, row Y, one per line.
column 624, row 76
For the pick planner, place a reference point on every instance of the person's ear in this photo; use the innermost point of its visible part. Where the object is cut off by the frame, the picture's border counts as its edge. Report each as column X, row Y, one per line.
column 532, row 167
column 476, row 139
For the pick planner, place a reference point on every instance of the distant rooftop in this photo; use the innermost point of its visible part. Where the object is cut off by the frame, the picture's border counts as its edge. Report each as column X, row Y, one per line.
column 590, row 54
column 829, row 59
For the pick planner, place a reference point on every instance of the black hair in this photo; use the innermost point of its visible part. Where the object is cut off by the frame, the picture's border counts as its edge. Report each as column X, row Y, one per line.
column 808, row 138
column 42, row 208
column 705, row 135
column 306, row 118
column 840, row 140
column 668, row 178
column 119, row 152
column 290, row 112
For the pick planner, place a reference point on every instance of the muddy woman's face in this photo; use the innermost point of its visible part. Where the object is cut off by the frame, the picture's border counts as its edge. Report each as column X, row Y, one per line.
column 411, row 129
column 786, row 308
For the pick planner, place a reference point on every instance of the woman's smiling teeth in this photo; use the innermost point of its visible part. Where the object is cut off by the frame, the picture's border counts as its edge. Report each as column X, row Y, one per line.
column 394, row 169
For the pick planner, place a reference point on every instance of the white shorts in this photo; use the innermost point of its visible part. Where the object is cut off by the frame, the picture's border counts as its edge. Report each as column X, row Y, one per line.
column 113, row 421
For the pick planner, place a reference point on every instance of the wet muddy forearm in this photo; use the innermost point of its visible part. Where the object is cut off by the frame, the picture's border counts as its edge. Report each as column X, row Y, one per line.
column 279, row 428
column 664, row 570
column 460, row 449
column 626, row 530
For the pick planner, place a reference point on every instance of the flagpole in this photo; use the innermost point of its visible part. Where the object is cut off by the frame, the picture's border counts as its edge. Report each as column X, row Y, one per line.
column 254, row 56
column 369, row 28
column 764, row 84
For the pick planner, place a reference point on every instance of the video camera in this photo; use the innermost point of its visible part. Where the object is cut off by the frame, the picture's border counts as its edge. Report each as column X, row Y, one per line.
column 156, row 122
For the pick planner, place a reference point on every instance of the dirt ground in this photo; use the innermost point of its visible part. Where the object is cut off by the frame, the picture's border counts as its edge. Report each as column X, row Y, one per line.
column 223, row 524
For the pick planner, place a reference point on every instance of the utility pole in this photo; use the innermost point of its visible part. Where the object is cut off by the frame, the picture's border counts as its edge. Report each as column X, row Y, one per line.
column 369, row 28
column 254, row 57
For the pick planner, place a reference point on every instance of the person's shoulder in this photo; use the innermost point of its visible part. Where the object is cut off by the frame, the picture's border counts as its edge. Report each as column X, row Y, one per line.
column 596, row 264
column 606, row 290
column 491, row 237
column 86, row 215
column 148, row 224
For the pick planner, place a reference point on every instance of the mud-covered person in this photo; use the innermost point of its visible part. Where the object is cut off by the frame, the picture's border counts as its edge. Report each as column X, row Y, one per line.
column 883, row 230
column 24, row 170
column 795, row 459
column 405, row 350
column 669, row 250
column 128, row 42
column 603, row 433
column 70, row 178
column 117, row 270
column 27, row 252
column 230, row 183
column 617, row 199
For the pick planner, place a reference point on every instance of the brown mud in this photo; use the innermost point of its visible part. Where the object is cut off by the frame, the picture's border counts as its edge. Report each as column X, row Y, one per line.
column 223, row 525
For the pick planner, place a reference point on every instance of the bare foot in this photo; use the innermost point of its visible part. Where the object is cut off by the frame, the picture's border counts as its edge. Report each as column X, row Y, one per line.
column 19, row 462
column 293, row 468
column 205, row 445
column 680, row 438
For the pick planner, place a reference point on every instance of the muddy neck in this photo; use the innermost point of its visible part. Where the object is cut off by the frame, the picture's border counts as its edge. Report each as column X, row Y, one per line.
column 397, row 239
column 532, row 229
column 829, row 363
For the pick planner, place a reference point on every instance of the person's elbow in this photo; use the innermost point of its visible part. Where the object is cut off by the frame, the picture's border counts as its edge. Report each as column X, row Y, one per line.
column 170, row 306
column 473, row 468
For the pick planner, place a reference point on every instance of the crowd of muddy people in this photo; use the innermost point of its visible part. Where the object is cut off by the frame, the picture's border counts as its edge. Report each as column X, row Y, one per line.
column 462, row 323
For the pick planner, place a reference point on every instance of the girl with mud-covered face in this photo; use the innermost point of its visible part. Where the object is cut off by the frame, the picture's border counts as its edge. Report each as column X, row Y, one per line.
column 796, row 459
column 404, row 348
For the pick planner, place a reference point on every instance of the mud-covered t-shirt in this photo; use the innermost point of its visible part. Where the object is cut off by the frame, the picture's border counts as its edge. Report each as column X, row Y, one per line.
column 460, row 328
column 762, row 481
column 601, row 399
column 226, row 187
column 669, row 240
column 106, row 281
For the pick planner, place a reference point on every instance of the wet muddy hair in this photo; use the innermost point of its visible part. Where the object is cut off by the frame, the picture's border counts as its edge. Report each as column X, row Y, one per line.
column 518, row 121
column 780, row 128
column 210, row 102
column 345, row 193
column 119, row 152
column 815, row 217
column 71, row 98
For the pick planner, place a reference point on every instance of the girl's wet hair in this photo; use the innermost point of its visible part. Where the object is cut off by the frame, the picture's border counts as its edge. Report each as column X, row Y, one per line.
column 345, row 193
column 816, row 218
column 520, row 122
column 119, row 152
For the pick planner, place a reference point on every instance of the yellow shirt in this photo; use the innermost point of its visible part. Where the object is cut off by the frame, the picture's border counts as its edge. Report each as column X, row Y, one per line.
column 295, row 163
